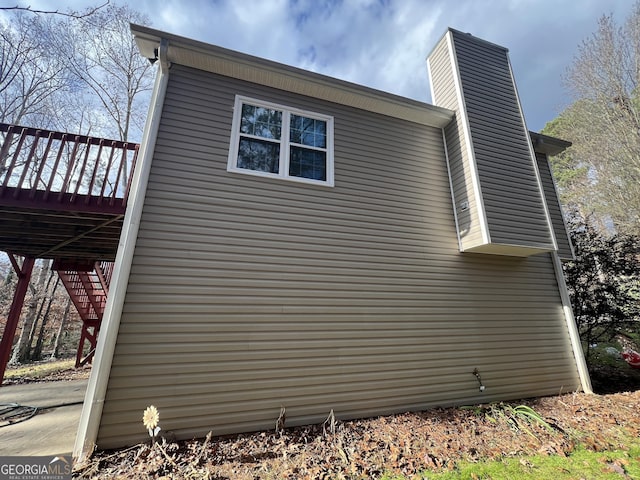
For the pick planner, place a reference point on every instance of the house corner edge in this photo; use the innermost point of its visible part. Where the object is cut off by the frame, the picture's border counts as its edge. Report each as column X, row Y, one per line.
column 574, row 335
column 91, row 415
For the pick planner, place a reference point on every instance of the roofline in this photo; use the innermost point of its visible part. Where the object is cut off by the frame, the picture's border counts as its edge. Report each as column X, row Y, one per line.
column 548, row 145
column 211, row 58
column 470, row 36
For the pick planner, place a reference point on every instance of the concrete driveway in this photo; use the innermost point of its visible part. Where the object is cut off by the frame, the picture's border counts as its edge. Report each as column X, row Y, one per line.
column 52, row 430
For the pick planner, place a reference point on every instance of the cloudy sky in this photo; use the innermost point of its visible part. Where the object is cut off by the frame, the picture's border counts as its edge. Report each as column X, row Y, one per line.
column 383, row 43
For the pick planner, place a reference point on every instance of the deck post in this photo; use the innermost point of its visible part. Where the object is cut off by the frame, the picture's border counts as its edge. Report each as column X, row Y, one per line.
column 24, row 276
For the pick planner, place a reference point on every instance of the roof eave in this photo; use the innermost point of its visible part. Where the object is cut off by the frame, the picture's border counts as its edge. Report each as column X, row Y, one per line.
column 211, row 58
column 547, row 144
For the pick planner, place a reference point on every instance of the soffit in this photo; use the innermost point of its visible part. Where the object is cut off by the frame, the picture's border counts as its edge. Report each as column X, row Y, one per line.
column 548, row 145
column 233, row 64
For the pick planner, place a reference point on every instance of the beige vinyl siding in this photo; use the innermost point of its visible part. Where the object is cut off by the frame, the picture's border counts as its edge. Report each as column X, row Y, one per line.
column 247, row 294
column 514, row 204
column 441, row 74
column 565, row 249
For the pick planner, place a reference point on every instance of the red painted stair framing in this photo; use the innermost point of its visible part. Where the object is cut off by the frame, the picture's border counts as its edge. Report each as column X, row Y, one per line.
column 88, row 286
column 63, row 196
column 24, row 275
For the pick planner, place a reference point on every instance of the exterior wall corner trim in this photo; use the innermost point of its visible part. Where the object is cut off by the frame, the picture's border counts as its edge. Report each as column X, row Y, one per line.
column 97, row 387
column 574, row 335
column 532, row 155
column 453, row 195
column 475, row 178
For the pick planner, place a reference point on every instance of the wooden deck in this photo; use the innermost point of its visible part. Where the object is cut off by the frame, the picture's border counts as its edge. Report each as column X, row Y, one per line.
column 62, row 195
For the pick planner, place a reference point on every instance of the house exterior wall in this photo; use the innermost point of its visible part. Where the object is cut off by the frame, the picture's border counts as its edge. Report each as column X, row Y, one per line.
column 247, row 294
column 565, row 249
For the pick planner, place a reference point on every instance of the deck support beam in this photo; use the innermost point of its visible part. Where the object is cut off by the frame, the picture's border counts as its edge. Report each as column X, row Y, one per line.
column 24, row 276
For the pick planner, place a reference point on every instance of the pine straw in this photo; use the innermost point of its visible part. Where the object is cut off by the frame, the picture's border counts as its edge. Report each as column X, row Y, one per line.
column 400, row 444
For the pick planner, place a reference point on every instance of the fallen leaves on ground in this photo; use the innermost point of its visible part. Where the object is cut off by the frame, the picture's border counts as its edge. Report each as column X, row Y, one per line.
column 43, row 371
column 404, row 444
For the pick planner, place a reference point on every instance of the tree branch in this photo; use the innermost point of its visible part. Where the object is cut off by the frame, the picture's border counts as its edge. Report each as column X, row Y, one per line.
column 58, row 12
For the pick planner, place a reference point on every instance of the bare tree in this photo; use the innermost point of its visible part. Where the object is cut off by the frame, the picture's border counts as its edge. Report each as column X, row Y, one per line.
column 29, row 72
column 75, row 72
column 101, row 54
column 21, row 349
column 36, row 350
column 602, row 168
column 7, row 284
column 55, row 352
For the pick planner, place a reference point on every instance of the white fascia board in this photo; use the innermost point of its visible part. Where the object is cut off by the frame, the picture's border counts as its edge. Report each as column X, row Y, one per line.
column 97, row 387
column 211, row 58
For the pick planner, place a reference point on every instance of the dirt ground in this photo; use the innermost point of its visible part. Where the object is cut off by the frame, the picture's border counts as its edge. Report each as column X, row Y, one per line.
column 401, row 444
column 45, row 371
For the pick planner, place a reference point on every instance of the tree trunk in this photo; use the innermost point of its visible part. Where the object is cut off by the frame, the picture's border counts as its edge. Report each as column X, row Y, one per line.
column 36, row 352
column 6, row 291
column 21, row 348
column 44, row 296
column 63, row 322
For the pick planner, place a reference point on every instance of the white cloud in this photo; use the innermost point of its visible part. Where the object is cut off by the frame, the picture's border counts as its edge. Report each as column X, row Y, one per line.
column 383, row 43
column 380, row 44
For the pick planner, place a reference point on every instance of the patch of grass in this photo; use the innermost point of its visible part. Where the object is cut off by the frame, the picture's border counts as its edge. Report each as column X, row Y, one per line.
column 582, row 463
column 518, row 418
column 633, row 334
column 40, row 369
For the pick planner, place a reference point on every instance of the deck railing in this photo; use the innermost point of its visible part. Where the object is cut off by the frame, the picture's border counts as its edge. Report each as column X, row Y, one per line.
column 44, row 165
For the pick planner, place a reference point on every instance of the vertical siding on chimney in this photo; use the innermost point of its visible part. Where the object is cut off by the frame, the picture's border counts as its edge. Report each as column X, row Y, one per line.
column 500, row 160
column 565, row 248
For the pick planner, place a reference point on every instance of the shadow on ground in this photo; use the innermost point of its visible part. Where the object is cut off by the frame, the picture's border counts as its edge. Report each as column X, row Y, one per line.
column 607, row 379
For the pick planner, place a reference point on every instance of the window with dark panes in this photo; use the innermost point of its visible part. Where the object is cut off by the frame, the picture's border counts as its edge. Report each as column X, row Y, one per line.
column 276, row 141
column 308, row 144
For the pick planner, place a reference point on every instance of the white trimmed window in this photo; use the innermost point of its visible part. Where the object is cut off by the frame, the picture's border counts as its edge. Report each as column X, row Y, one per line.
column 281, row 142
